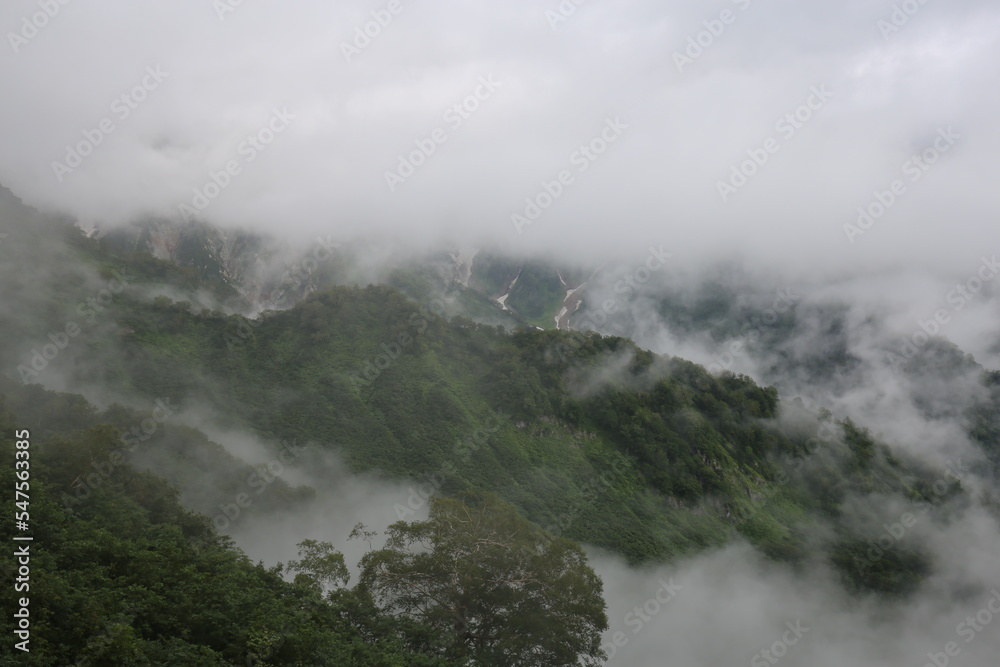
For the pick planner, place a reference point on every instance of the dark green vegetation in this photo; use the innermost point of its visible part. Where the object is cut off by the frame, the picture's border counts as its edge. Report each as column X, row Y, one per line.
column 493, row 274
column 588, row 437
column 538, row 295
column 123, row 575
column 128, row 577
column 985, row 420
column 539, row 290
column 488, row 586
column 652, row 460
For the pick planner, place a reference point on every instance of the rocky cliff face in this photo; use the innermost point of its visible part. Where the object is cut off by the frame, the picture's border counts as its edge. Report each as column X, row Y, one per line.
column 253, row 264
column 270, row 274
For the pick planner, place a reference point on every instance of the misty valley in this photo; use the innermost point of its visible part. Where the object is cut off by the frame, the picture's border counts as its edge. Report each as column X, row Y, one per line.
column 300, row 456
column 524, row 334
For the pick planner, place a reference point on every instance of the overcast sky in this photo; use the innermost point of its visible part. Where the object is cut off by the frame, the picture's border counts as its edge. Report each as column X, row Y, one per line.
column 879, row 96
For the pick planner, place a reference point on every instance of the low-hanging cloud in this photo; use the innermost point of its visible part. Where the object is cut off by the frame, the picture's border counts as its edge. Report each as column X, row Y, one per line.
column 172, row 102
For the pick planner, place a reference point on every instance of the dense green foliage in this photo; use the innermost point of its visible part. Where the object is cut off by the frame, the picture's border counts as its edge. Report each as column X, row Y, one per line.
column 493, row 274
column 985, row 419
column 588, row 437
column 125, row 576
column 488, row 587
column 594, row 439
column 538, row 294
column 351, row 367
column 129, row 577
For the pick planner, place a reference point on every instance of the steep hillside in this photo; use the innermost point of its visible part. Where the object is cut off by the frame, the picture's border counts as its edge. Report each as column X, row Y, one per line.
column 588, row 436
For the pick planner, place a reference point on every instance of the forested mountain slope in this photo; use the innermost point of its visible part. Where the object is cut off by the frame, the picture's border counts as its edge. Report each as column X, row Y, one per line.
column 589, row 437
